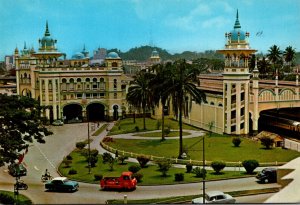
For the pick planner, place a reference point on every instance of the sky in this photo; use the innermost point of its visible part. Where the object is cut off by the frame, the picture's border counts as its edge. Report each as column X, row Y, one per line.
column 174, row 25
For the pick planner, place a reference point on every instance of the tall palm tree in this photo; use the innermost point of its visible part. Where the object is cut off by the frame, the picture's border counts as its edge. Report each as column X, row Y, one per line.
column 263, row 67
column 139, row 93
column 181, row 86
column 289, row 54
column 274, row 55
column 158, row 84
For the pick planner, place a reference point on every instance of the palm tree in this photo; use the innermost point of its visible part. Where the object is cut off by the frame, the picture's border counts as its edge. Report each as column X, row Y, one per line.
column 181, row 86
column 139, row 93
column 274, row 55
column 160, row 97
column 289, row 54
column 263, row 67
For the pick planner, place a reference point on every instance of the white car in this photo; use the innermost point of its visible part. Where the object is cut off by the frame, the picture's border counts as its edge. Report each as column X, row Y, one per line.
column 216, row 197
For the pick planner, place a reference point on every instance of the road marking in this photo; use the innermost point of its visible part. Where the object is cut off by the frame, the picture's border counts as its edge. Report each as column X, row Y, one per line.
column 45, row 156
column 35, row 167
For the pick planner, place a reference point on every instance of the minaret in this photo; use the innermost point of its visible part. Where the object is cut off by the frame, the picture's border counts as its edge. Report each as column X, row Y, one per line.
column 236, row 80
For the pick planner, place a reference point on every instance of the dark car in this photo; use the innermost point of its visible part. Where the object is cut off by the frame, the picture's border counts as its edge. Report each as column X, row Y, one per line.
column 61, row 184
column 17, row 170
column 267, row 175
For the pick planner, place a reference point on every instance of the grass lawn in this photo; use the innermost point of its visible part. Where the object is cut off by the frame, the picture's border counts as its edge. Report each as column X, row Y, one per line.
column 22, row 198
column 158, row 134
column 127, row 125
column 217, row 147
column 151, row 175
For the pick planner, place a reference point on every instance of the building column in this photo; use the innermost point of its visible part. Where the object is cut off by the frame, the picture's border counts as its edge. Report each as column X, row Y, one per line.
column 246, row 108
column 228, row 108
column 47, row 97
column 54, row 99
column 238, row 109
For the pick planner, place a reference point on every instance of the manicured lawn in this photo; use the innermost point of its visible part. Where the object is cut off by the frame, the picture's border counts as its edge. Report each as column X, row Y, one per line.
column 158, row 134
column 151, row 175
column 217, row 147
column 22, row 198
column 127, row 125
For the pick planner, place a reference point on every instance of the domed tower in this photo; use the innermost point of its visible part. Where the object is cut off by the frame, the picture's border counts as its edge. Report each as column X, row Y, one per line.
column 236, row 79
column 154, row 59
column 113, row 61
column 47, row 43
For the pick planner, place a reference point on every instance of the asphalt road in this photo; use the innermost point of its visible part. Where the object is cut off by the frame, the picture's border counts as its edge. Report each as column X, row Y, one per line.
column 49, row 155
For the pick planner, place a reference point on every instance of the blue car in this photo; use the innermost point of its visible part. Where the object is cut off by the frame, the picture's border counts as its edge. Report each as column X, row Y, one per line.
column 61, row 184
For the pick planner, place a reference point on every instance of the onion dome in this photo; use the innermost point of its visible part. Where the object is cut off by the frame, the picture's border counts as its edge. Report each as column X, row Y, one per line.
column 112, row 55
column 47, row 42
column 78, row 56
column 237, row 34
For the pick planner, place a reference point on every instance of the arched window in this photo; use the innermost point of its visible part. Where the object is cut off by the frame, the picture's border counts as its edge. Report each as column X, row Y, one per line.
column 71, row 86
column 116, row 114
column 102, row 84
column 95, row 84
column 64, row 84
column 114, row 64
column 115, row 84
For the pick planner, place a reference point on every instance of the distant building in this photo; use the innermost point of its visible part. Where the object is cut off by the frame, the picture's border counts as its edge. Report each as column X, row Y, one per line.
column 99, row 56
column 71, row 89
column 9, row 62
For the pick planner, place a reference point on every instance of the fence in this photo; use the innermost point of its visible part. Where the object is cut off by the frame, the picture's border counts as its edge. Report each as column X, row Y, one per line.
column 184, row 161
column 291, row 144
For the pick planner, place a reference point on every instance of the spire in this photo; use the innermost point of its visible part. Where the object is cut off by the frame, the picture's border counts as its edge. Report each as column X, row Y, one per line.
column 237, row 22
column 47, row 33
column 25, row 47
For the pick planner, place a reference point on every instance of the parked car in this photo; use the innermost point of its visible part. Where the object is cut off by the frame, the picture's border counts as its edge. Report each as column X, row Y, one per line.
column 217, row 197
column 267, row 175
column 61, row 184
column 57, row 123
column 17, row 170
column 125, row 181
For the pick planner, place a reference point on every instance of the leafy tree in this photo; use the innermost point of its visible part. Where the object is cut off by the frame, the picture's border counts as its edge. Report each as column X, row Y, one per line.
column 218, row 166
column 139, row 92
column 143, row 160
column 267, row 141
column 109, row 159
column 182, row 89
column 250, row 165
column 21, row 122
column 164, row 166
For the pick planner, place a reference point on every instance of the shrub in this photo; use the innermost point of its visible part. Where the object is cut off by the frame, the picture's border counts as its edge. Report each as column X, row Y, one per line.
column 250, row 165
column 200, row 173
column 138, row 176
column 134, row 168
column 236, row 141
column 218, row 166
column 98, row 177
column 164, row 166
column 72, row 171
column 69, row 157
column 6, row 199
column 122, row 158
column 143, row 160
column 267, row 142
column 137, row 129
column 189, row 167
column 80, row 145
column 179, row 177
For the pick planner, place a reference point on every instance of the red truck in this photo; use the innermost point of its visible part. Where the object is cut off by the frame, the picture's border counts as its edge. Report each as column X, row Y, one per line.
column 125, row 181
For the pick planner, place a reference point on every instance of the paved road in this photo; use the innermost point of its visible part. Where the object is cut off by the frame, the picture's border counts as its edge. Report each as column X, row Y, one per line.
column 49, row 155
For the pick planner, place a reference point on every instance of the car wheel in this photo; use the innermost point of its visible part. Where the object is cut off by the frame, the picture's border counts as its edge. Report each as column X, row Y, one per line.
column 266, row 180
